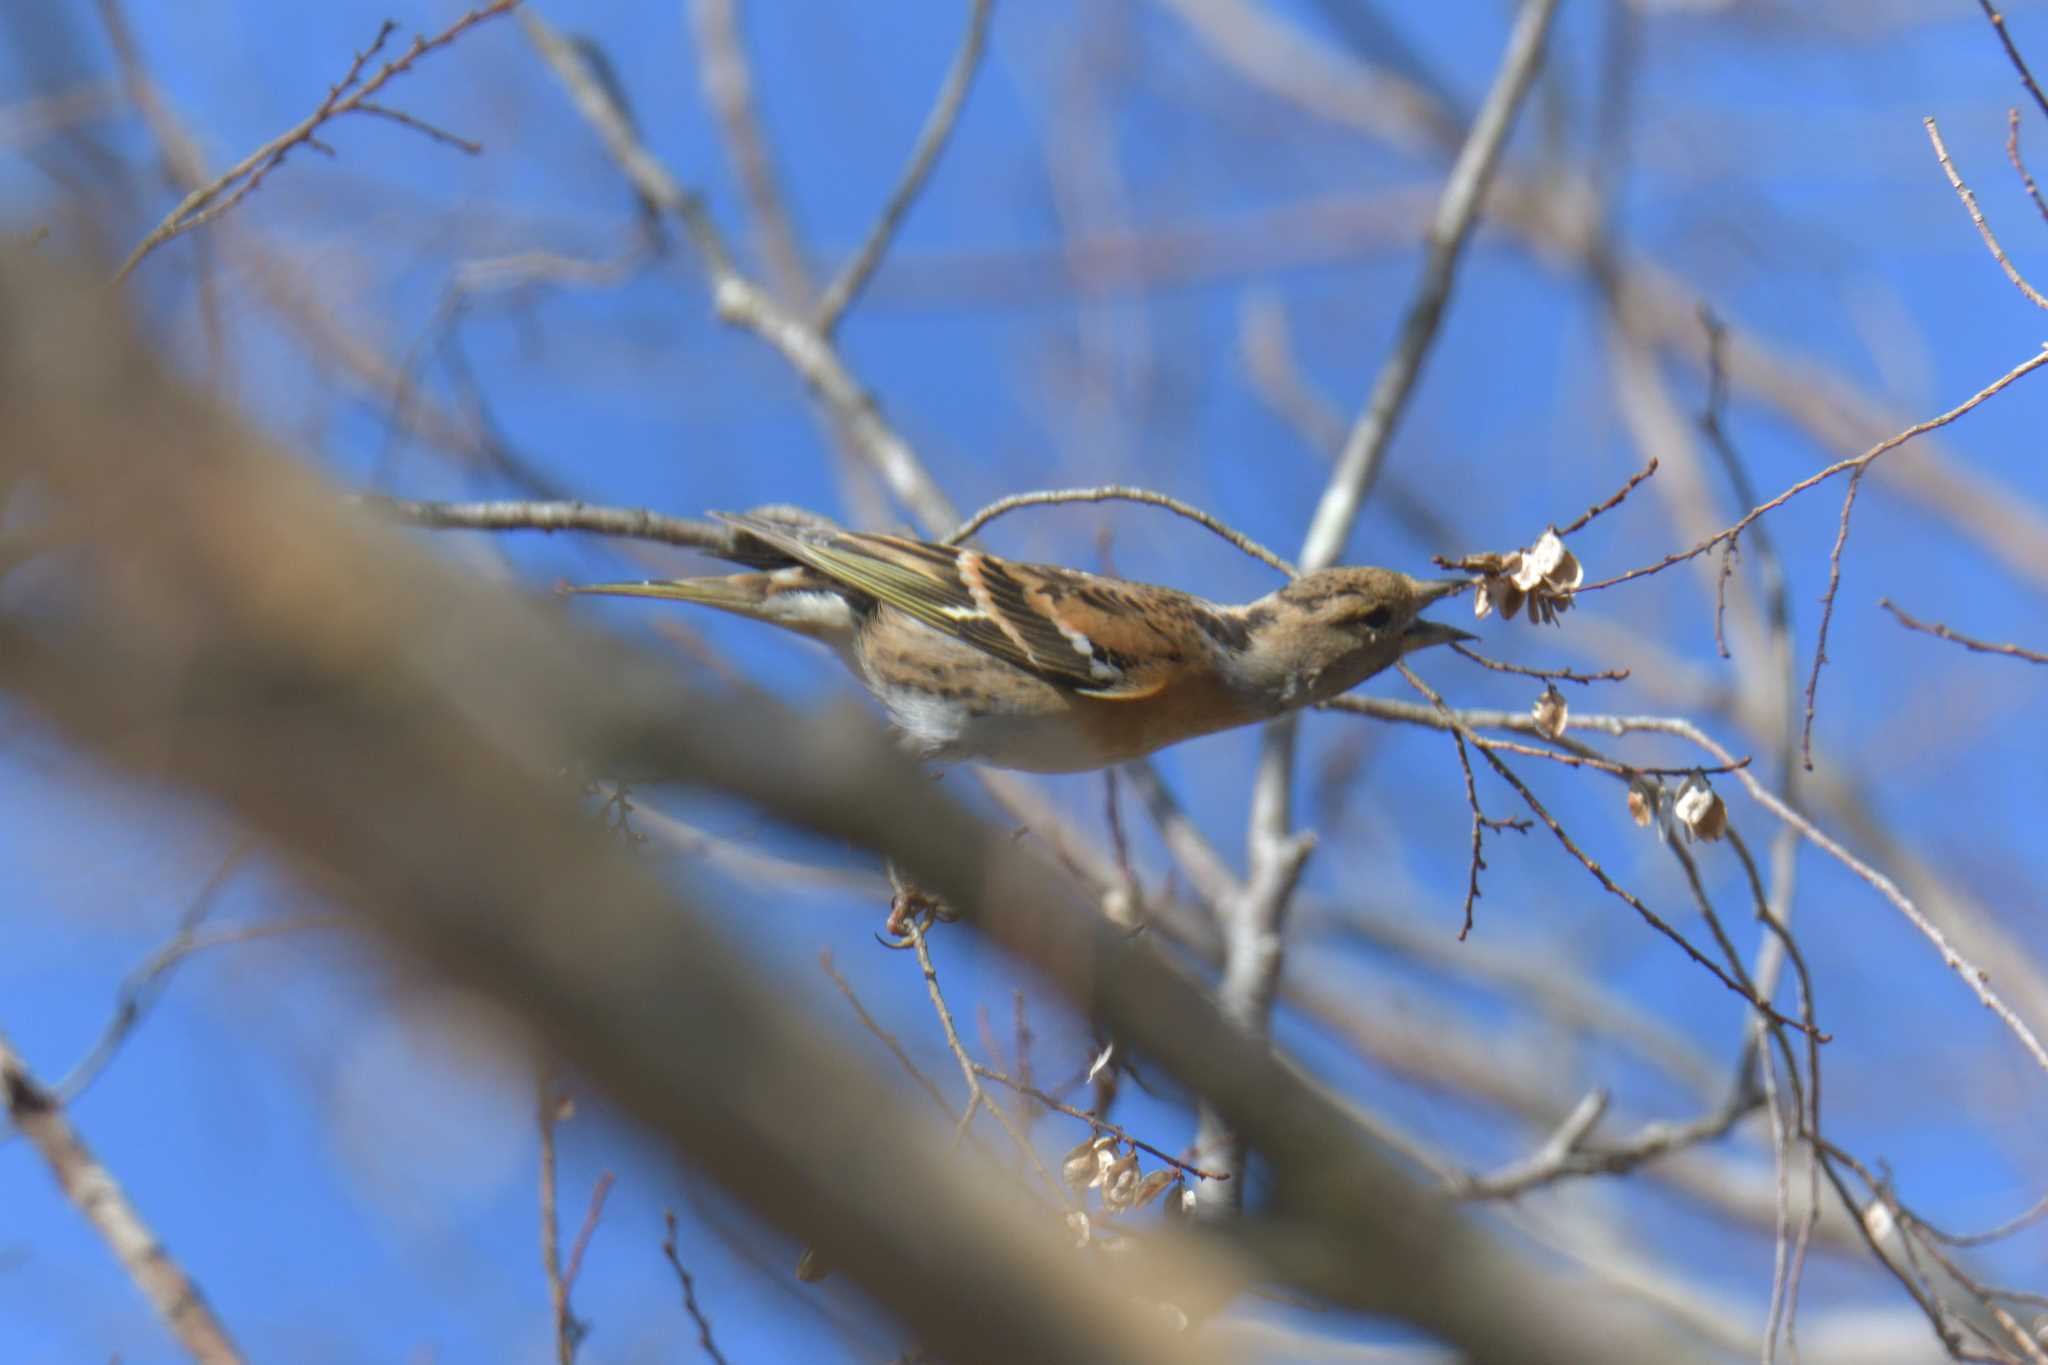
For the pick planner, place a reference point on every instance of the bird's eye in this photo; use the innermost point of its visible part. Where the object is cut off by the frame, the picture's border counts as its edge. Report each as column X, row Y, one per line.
column 1377, row 618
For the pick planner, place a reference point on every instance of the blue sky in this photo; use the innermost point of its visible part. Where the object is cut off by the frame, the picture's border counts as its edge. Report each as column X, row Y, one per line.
column 337, row 1149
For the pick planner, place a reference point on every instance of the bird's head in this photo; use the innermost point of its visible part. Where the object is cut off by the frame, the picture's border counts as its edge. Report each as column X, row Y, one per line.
column 1330, row 630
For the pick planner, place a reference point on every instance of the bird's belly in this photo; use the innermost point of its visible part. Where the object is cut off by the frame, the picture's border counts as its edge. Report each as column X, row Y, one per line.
column 1031, row 739
column 1035, row 727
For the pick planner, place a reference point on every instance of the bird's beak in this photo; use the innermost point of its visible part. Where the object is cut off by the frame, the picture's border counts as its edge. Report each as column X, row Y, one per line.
column 1422, row 634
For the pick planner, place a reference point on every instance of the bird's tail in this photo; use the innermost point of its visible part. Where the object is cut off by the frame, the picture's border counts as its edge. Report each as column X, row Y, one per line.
column 744, row 594
column 794, row 598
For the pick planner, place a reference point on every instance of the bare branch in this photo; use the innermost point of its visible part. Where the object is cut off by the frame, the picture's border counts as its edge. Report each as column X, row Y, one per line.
column 739, row 301
column 635, row 523
column 99, row 1198
column 931, row 140
column 349, row 95
column 1119, row 493
column 668, row 1249
column 1955, row 181
column 1967, row 642
column 2019, row 371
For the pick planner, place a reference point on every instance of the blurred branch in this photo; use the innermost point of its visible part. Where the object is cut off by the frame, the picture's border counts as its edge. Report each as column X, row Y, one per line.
column 739, row 301
column 92, row 1188
column 728, row 80
column 931, row 140
column 1465, row 189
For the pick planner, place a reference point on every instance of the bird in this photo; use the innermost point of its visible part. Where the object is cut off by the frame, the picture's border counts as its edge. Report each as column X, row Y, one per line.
column 1048, row 669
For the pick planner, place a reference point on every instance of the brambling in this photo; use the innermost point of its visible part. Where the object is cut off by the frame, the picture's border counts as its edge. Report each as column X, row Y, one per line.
column 1048, row 669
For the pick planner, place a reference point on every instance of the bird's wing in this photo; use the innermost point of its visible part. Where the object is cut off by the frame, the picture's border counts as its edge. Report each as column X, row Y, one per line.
column 1099, row 636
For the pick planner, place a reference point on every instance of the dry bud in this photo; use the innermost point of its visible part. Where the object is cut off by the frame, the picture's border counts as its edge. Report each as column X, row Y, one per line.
column 1545, row 576
column 1700, row 809
column 1120, row 1183
column 1082, row 1167
column 1641, row 805
column 1551, row 712
column 1152, row 1186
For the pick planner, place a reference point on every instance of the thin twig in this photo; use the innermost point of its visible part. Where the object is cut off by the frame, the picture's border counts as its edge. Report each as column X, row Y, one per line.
column 1548, row 674
column 229, row 188
column 1827, row 615
column 2025, row 367
column 1608, row 506
column 1119, row 493
column 1978, row 979
column 977, row 1098
column 1100, row 1124
column 1648, row 916
column 2012, row 52
column 1967, row 642
column 1955, row 181
column 886, row 1038
column 598, row 1193
column 931, row 140
column 548, row 1107
column 2019, row 165
column 690, row 1305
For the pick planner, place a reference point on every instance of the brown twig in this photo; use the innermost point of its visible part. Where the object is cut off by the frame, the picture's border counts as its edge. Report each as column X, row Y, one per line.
column 1549, row 674
column 2012, row 53
column 931, row 140
column 2024, row 368
column 1967, row 642
column 1558, row 831
column 92, row 1189
column 228, row 189
column 1101, row 1125
column 1119, row 493
column 598, row 1194
column 1955, row 181
column 1827, row 615
column 549, row 1107
column 977, row 1098
column 1591, row 512
column 2019, row 165
column 886, row 1038
column 690, row 1305
column 1975, row 977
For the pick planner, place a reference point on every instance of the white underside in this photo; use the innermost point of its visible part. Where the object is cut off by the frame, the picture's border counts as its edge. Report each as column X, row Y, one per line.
column 944, row 729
